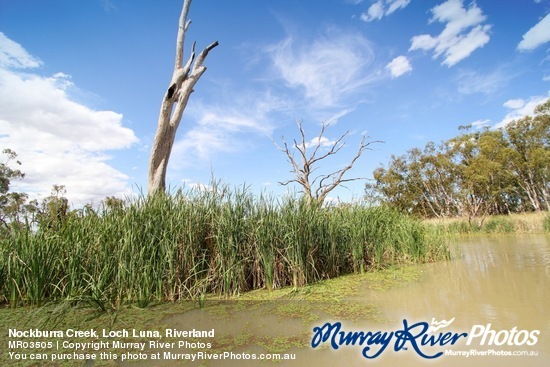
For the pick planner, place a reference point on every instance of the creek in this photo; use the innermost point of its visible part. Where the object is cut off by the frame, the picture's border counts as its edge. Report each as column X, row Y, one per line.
column 497, row 288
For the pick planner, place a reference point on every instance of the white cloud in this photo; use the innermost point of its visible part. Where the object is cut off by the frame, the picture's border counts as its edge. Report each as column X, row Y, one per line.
column 196, row 185
column 13, row 55
column 453, row 42
column 399, row 66
column 514, row 104
column 479, row 124
column 108, row 5
column 58, row 140
column 383, row 7
column 330, row 71
column 376, row 11
column 326, row 77
column 320, row 141
column 538, row 35
column 460, row 50
column 521, row 108
column 221, row 128
column 472, row 82
column 395, row 5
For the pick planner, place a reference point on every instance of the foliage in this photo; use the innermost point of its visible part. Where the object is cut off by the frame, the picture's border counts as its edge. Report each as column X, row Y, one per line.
column 7, row 173
column 475, row 174
column 54, row 210
column 181, row 246
column 18, row 213
column 12, row 204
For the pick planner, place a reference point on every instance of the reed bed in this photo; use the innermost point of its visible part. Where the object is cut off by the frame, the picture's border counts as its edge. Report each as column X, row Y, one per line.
column 191, row 243
column 529, row 222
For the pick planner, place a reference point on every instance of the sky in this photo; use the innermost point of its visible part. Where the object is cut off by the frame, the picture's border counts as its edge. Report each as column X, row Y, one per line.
column 81, row 84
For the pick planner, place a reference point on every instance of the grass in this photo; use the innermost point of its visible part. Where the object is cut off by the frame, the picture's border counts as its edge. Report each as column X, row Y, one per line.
column 193, row 243
column 535, row 222
column 246, row 321
column 547, row 223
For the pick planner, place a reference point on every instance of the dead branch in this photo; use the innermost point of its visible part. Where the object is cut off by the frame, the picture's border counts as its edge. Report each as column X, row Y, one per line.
column 316, row 190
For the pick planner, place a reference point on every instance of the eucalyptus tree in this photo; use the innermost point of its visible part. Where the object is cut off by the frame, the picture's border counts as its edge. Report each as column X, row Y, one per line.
column 529, row 157
column 9, row 202
column 494, row 171
column 395, row 186
column 482, row 180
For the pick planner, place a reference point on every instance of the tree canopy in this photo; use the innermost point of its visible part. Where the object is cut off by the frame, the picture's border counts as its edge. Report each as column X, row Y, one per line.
column 493, row 171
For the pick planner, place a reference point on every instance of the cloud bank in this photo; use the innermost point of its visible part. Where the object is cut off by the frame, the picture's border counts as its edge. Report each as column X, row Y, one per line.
column 59, row 141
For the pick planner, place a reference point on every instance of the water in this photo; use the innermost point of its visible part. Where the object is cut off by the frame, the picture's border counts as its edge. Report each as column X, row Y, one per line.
column 503, row 281
column 496, row 280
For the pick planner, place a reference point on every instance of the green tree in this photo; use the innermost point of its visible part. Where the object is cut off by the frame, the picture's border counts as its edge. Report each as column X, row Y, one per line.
column 393, row 186
column 55, row 209
column 12, row 204
column 420, row 182
column 113, row 204
column 484, row 185
column 437, row 174
column 17, row 212
column 529, row 158
column 473, row 174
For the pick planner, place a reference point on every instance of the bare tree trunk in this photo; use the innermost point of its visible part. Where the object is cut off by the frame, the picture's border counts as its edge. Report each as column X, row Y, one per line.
column 173, row 104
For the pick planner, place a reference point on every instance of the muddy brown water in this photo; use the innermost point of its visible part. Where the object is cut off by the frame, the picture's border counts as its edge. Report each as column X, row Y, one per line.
column 501, row 280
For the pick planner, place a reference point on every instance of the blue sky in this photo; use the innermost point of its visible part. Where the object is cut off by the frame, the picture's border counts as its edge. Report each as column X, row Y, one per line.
column 81, row 84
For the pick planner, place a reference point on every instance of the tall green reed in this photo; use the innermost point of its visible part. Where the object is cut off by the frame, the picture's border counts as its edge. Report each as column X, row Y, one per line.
column 218, row 240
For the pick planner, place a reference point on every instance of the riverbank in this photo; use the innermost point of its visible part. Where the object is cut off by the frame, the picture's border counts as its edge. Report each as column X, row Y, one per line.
column 489, row 269
column 533, row 222
column 237, row 322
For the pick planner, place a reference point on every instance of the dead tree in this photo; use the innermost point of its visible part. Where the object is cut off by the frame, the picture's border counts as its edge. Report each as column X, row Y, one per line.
column 317, row 188
column 184, row 78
